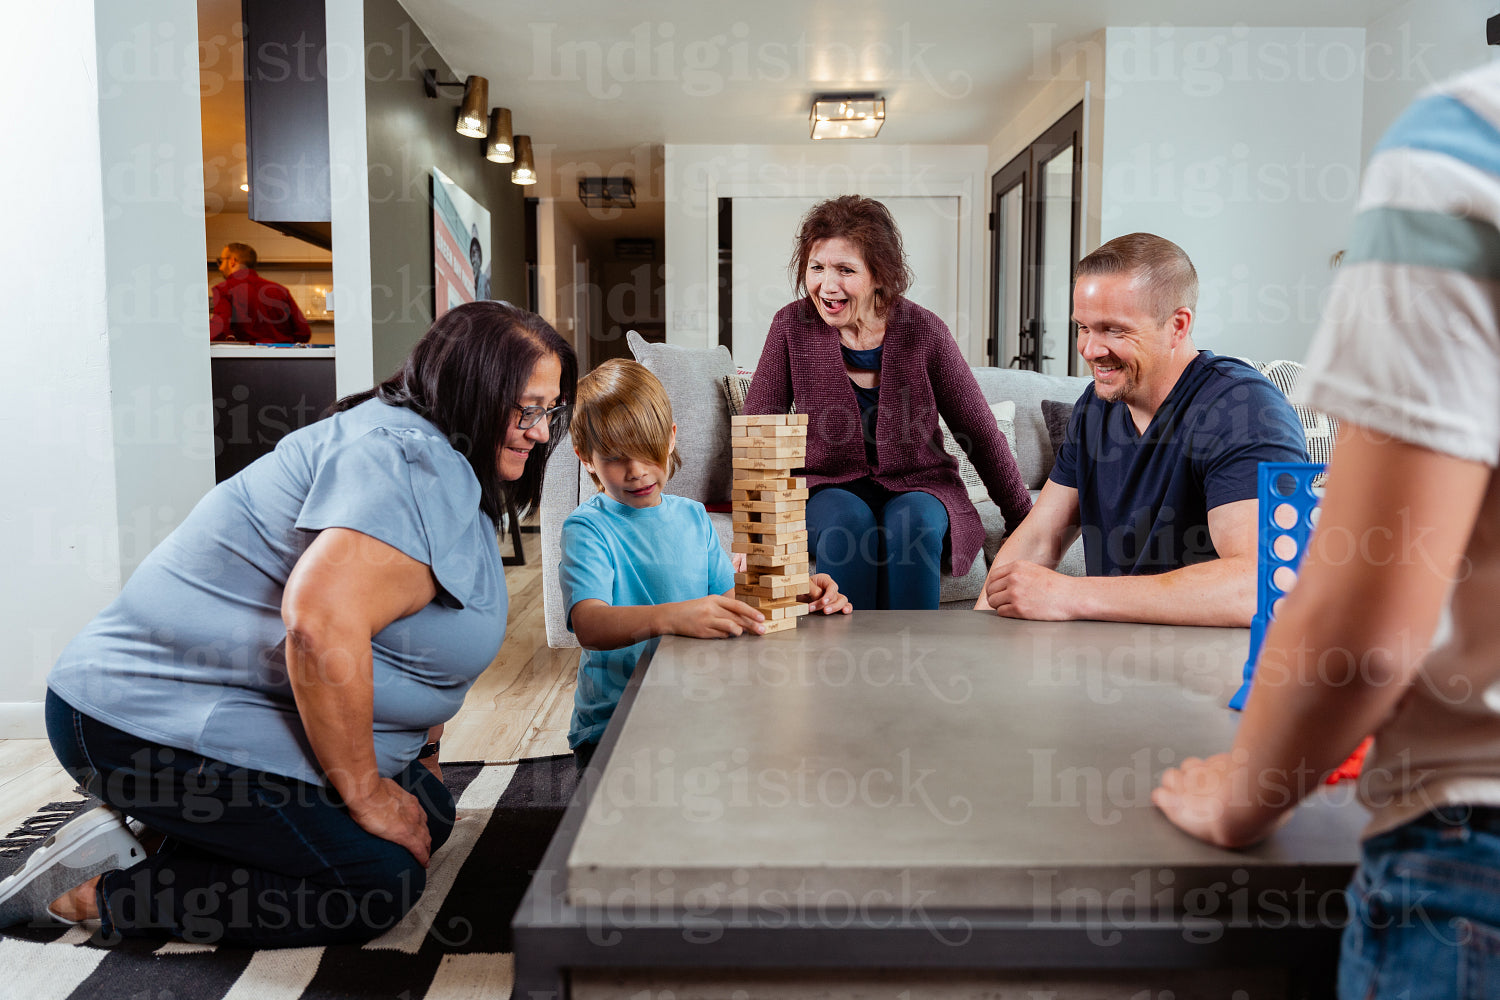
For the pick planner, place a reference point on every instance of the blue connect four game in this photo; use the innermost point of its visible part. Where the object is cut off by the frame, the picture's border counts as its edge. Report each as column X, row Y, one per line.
column 1288, row 511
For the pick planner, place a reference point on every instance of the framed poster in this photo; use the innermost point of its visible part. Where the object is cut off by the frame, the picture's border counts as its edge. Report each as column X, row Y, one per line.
column 460, row 246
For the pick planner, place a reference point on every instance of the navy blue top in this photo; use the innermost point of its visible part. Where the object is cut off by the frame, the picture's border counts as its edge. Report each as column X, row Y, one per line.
column 869, row 399
column 1144, row 499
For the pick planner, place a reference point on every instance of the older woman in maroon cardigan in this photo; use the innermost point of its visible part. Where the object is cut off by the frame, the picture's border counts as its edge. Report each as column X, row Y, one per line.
column 873, row 371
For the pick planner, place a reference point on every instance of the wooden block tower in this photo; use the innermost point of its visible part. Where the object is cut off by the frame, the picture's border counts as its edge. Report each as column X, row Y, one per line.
column 770, row 515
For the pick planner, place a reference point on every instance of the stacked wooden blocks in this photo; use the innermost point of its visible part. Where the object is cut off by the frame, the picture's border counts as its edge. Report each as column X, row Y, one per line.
column 770, row 515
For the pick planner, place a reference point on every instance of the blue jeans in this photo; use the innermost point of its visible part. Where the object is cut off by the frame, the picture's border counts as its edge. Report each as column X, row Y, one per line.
column 883, row 549
column 249, row 858
column 1425, row 911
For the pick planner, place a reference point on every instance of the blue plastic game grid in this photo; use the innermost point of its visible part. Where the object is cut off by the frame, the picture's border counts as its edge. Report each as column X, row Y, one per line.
column 1288, row 511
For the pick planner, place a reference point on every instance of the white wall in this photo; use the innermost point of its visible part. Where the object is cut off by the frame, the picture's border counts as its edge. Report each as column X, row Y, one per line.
column 1419, row 43
column 1243, row 146
column 697, row 176
column 151, row 159
column 108, row 435
column 1074, row 75
column 349, row 184
column 558, row 245
column 763, row 229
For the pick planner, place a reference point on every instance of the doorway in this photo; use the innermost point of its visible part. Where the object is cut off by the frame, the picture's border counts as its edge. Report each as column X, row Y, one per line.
column 1036, row 224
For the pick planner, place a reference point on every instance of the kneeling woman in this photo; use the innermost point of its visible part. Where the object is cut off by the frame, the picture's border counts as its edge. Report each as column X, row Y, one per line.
column 260, row 692
column 873, row 371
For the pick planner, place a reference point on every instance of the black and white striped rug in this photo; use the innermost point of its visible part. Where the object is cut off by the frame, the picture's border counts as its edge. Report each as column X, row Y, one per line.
column 454, row 943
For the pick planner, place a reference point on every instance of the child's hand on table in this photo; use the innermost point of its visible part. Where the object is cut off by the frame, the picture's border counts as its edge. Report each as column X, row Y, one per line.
column 714, row 617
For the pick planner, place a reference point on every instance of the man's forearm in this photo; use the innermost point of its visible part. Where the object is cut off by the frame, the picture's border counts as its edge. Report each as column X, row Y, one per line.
column 1217, row 592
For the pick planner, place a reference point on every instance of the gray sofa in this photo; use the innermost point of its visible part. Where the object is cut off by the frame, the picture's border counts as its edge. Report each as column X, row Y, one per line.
column 694, row 379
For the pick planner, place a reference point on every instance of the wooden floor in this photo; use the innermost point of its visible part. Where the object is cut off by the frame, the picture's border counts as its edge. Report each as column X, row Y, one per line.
column 518, row 708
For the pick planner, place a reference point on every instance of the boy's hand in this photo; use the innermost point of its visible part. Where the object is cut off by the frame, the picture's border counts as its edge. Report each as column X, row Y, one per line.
column 714, row 617
column 824, row 596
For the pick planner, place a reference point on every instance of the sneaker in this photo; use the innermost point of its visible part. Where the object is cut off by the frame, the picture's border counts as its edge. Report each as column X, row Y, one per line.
column 90, row 844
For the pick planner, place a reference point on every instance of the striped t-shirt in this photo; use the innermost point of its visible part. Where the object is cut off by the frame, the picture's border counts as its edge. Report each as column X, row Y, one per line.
column 1410, row 345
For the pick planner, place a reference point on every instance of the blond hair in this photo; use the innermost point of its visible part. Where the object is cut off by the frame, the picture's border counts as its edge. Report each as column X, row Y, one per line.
column 1158, row 266
column 623, row 410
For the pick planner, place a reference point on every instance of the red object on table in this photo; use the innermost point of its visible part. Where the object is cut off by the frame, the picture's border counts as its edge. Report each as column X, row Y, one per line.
column 1351, row 767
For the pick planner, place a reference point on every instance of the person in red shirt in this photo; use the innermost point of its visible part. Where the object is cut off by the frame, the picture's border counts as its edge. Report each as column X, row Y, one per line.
column 250, row 309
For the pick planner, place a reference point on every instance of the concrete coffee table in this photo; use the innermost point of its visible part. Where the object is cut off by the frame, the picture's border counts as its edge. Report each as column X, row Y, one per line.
column 956, row 799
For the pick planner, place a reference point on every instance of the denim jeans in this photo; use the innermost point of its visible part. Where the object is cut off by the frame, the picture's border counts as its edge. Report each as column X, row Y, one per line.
column 249, row 858
column 1425, row 911
column 883, row 549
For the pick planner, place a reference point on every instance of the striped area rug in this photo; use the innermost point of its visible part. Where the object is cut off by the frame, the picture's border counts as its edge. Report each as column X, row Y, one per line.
column 454, row 944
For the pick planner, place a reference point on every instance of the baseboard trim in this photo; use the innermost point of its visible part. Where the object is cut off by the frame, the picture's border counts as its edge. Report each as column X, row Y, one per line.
column 22, row 720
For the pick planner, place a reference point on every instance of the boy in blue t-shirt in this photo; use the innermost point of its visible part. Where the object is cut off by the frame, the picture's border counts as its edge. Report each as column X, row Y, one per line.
column 638, row 564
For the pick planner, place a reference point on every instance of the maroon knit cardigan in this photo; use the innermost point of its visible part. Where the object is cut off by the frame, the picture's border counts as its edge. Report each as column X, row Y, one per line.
column 922, row 375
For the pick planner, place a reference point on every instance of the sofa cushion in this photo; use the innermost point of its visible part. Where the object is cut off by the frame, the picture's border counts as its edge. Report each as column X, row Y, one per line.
column 1005, row 419
column 691, row 377
column 1034, row 452
column 1056, row 416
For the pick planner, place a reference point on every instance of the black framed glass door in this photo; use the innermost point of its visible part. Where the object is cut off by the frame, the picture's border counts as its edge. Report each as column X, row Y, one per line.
column 1036, row 224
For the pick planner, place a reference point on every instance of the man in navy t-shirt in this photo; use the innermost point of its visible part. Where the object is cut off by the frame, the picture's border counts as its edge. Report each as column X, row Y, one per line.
column 1158, row 468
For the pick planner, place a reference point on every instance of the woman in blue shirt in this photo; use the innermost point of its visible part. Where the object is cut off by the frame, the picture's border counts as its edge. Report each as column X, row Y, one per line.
column 261, row 691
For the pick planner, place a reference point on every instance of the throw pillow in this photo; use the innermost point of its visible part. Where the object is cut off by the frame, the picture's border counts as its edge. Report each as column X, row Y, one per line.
column 1005, row 419
column 1319, row 428
column 1056, row 416
column 691, row 377
column 736, row 387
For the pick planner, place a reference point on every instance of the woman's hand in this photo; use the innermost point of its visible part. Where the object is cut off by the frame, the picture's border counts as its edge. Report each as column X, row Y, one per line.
column 824, row 596
column 714, row 617
column 392, row 813
column 344, row 589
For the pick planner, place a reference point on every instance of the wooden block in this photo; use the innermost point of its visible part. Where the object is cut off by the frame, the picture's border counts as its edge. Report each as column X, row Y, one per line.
column 770, row 505
column 779, row 566
column 769, row 530
column 763, row 549
column 777, row 581
column 770, row 516
column 767, row 430
column 779, row 625
column 746, row 593
column 794, row 456
column 769, row 420
column 772, row 495
column 770, row 538
column 796, row 609
column 758, row 441
column 774, row 466
column 752, row 481
column 781, row 534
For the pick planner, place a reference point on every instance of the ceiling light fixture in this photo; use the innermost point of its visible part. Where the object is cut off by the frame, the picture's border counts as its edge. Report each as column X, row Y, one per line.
column 475, row 107
column 847, row 116
column 501, row 146
column 524, row 172
column 607, row 192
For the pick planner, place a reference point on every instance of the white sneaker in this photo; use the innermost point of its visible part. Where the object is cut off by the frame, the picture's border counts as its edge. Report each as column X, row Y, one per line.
column 90, row 844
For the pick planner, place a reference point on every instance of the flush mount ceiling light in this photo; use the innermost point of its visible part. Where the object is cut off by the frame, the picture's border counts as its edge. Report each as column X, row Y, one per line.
column 501, row 145
column 607, row 192
column 848, row 116
column 524, row 172
column 475, row 108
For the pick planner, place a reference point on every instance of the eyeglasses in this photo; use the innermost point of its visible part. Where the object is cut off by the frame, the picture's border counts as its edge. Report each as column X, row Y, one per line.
column 532, row 415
